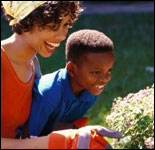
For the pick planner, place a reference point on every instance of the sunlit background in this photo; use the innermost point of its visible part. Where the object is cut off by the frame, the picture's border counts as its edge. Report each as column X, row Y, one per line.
column 132, row 31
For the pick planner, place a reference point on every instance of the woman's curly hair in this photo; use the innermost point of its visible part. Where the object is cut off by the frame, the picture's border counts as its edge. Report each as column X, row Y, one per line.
column 49, row 12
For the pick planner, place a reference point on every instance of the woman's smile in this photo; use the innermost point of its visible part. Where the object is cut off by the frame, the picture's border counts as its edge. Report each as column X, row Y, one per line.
column 52, row 44
column 51, row 47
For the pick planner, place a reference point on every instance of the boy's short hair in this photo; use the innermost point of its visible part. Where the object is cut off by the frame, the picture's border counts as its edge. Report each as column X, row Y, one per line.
column 86, row 41
column 49, row 12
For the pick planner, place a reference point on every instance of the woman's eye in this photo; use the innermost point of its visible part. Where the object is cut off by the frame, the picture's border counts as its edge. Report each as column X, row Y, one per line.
column 68, row 25
column 53, row 27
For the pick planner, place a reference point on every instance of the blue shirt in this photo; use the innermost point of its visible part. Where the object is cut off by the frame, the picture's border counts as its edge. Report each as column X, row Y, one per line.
column 53, row 98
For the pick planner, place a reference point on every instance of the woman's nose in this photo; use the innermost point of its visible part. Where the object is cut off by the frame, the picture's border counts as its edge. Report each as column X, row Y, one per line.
column 62, row 34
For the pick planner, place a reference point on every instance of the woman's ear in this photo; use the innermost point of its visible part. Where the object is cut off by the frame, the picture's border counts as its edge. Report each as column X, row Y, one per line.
column 71, row 68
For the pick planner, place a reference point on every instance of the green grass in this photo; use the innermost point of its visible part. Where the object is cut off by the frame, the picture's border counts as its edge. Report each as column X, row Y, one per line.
column 133, row 37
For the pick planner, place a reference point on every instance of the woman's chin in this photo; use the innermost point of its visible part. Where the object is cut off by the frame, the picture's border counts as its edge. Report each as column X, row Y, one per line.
column 46, row 55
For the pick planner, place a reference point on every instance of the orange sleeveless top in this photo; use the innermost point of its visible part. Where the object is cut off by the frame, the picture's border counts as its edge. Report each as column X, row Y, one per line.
column 16, row 98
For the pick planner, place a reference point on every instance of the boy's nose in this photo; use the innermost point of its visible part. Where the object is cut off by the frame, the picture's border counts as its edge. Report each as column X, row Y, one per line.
column 106, row 78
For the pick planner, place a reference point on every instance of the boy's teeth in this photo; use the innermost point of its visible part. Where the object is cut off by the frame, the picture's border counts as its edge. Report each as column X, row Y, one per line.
column 53, row 44
column 99, row 86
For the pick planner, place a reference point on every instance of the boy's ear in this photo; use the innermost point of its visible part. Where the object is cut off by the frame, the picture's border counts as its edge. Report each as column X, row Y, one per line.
column 71, row 68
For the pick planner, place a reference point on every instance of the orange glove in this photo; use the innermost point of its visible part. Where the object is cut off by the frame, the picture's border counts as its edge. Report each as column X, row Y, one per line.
column 89, row 137
column 81, row 122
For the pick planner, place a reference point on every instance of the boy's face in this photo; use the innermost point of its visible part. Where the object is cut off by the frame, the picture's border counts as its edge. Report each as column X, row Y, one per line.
column 46, row 41
column 93, row 73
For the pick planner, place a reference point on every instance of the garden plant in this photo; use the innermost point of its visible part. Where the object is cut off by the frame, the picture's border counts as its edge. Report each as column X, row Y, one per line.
column 133, row 115
column 133, row 36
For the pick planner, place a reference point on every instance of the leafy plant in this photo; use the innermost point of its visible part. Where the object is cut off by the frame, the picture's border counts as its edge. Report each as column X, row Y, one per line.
column 133, row 116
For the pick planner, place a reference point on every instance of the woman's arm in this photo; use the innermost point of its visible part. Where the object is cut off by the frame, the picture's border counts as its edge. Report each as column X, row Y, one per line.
column 83, row 138
column 33, row 143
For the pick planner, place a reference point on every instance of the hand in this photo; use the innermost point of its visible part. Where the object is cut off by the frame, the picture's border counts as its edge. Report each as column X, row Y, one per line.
column 89, row 137
column 80, row 122
column 103, row 131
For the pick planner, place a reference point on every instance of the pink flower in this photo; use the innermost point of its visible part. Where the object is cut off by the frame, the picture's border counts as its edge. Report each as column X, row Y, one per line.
column 149, row 142
column 129, row 123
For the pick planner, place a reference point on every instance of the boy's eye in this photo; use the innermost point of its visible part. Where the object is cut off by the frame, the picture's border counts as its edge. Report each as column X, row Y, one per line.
column 95, row 72
column 110, row 70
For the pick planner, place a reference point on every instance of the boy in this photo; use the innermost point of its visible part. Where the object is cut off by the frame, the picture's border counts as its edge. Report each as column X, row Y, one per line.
column 68, row 93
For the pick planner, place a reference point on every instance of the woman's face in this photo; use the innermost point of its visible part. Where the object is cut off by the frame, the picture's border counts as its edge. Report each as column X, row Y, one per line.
column 46, row 41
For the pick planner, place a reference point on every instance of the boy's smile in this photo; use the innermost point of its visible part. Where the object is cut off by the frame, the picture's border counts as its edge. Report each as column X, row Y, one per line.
column 93, row 73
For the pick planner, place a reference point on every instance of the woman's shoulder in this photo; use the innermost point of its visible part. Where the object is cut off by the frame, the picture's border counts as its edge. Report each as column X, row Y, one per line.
column 4, row 47
column 4, row 43
column 3, row 54
column 4, row 50
column 4, row 62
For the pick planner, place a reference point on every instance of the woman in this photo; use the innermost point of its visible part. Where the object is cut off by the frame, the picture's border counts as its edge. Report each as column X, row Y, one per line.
column 39, row 27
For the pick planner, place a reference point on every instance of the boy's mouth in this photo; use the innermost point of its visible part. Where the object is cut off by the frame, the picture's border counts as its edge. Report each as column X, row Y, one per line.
column 97, row 89
column 100, row 87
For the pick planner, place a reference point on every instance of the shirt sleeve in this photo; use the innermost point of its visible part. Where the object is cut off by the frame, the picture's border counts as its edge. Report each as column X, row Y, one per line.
column 45, row 101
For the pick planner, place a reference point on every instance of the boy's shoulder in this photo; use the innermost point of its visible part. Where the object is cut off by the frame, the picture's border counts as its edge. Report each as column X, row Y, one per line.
column 48, row 88
column 52, row 77
column 51, row 82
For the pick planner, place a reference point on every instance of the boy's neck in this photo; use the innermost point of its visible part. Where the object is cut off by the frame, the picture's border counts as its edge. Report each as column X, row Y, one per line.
column 77, row 90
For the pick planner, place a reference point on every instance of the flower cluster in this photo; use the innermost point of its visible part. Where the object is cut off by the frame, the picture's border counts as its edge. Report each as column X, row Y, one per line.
column 133, row 116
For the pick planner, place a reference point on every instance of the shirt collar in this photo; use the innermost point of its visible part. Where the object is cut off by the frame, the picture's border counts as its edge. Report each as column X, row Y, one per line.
column 67, row 89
